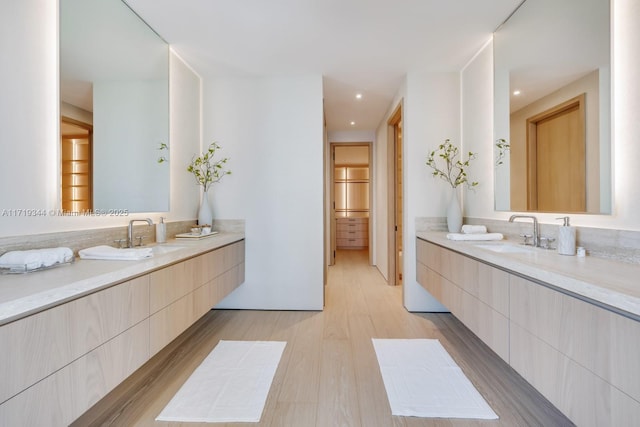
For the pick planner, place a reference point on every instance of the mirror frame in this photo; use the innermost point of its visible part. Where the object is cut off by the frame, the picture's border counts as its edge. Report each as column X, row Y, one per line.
column 122, row 66
column 513, row 46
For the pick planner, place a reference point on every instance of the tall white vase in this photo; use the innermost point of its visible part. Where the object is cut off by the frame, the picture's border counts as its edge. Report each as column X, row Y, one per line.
column 205, row 215
column 454, row 213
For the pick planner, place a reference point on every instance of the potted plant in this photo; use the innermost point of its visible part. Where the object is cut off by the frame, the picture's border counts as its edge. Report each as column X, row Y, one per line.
column 452, row 170
column 207, row 171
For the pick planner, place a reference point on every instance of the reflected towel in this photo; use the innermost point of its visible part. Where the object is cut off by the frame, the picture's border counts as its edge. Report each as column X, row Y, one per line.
column 36, row 258
column 474, row 229
column 485, row 236
column 110, row 253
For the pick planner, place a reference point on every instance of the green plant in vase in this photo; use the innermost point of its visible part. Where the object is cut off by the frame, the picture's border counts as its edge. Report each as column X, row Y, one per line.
column 207, row 171
column 448, row 165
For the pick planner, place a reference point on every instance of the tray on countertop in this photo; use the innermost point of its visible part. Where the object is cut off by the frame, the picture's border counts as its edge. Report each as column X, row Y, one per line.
column 194, row 236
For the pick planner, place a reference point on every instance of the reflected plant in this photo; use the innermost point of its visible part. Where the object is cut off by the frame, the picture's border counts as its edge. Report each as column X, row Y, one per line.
column 453, row 171
column 163, row 146
column 503, row 146
column 207, row 171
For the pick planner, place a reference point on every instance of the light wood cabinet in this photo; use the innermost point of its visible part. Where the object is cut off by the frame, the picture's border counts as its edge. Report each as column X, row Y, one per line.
column 39, row 345
column 352, row 233
column 475, row 293
column 184, row 292
column 62, row 397
column 61, row 361
column 580, row 356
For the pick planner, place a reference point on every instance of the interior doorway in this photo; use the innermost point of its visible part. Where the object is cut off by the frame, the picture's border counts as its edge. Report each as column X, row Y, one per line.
column 76, row 140
column 556, row 158
column 350, row 193
column 395, row 197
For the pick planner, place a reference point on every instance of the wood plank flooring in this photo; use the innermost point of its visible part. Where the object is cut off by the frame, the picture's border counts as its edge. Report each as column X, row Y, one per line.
column 328, row 374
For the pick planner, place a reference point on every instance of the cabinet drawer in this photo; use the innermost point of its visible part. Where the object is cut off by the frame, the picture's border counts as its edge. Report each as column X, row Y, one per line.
column 169, row 284
column 352, row 234
column 355, row 243
column 352, row 227
column 62, row 397
column 39, row 345
column 606, row 343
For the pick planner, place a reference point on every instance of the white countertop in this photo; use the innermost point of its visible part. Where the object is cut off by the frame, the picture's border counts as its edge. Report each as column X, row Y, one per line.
column 25, row 294
column 602, row 281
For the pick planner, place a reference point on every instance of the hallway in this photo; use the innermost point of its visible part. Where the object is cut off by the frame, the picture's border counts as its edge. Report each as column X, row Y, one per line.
column 328, row 375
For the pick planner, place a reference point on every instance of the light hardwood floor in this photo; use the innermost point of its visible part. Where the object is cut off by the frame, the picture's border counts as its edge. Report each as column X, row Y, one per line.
column 328, row 374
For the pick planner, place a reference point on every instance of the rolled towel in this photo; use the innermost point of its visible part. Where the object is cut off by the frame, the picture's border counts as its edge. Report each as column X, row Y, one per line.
column 110, row 253
column 476, row 237
column 35, row 258
column 474, row 229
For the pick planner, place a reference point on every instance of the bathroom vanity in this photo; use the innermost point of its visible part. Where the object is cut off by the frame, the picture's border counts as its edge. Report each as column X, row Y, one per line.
column 71, row 334
column 570, row 326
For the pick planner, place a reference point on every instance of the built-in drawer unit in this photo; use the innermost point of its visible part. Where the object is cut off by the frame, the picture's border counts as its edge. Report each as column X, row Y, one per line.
column 352, row 233
column 580, row 355
column 57, row 363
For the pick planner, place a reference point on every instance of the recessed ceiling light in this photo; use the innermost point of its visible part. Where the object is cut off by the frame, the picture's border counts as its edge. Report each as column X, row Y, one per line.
column 358, row 96
column 516, row 92
column 353, row 123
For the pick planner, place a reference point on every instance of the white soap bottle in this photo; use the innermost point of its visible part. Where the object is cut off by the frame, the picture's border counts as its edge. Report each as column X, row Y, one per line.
column 566, row 238
column 161, row 231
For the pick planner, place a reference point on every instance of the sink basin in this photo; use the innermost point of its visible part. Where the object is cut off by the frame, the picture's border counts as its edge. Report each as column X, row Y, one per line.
column 506, row 248
column 164, row 249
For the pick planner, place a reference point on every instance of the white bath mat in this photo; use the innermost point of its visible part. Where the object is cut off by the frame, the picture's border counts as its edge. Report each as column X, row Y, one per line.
column 422, row 380
column 230, row 385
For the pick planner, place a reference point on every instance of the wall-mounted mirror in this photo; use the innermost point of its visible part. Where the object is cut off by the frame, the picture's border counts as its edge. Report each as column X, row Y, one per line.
column 552, row 108
column 114, row 81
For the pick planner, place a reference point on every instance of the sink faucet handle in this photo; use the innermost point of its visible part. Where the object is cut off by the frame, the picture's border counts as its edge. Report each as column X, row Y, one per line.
column 526, row 238
column 545, row 241
column 140, row 238
column 120, row 243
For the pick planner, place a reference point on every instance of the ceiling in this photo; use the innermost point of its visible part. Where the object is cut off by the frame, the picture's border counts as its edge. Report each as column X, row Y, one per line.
column 358, row 46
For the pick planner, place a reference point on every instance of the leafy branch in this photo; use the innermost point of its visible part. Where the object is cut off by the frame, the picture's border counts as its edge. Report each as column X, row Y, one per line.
column 453, row 170
column 503, row 147
column 163, row 146
column 207, row 171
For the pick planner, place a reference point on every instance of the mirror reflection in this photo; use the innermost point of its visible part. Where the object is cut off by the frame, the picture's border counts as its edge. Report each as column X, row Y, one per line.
column 553, row 108
column 114, row 107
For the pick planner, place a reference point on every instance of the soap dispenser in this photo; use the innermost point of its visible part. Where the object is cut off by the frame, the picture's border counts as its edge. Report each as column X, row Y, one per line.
column 566, row 238
column 161, row 231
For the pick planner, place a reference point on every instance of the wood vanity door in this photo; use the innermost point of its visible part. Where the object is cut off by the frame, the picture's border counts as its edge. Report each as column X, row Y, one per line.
column 556, row 152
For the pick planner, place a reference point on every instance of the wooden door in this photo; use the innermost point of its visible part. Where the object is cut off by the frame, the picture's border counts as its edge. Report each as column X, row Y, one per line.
column 394, row 201
column 557, row 159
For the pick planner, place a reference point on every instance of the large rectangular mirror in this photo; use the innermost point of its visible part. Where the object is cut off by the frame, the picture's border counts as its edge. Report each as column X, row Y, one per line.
column 114, row 106
column 552, row 108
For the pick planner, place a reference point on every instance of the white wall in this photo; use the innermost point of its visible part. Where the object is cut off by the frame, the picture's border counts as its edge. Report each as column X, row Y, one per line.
column 477, row 107
column 29, row 125
column 431, row 115
column 272, row 131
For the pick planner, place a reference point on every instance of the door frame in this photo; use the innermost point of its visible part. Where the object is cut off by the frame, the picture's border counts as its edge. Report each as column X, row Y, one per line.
column 395, row 270
column 332, row 202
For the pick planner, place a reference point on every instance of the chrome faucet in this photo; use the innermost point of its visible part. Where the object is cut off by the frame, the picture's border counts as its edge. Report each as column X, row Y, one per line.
column 536, row 240
column 130, row 231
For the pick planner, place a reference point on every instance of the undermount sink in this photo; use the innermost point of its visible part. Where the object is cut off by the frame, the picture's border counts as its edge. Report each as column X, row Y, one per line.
column 165, row 249
column 506, row 248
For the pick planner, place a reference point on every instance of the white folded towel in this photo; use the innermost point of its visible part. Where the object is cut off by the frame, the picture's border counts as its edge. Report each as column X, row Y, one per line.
column 485, row 236
column 474, row 229
column 111, row 253
column 35, row 258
